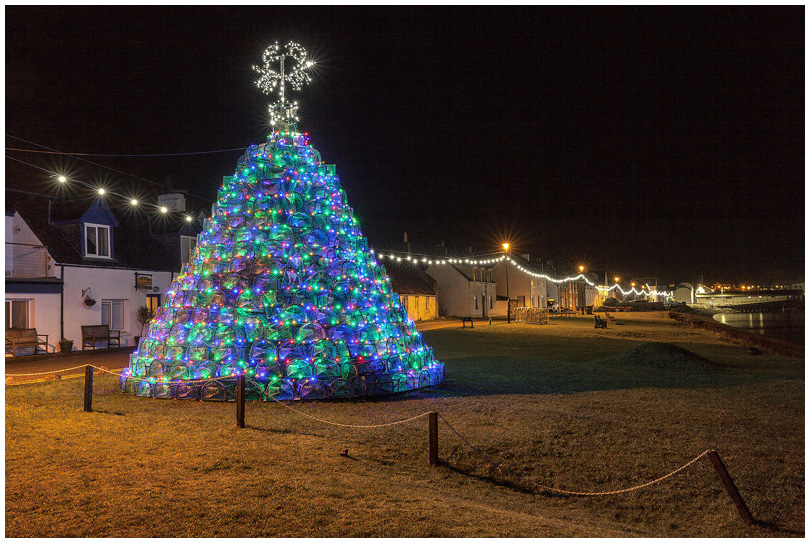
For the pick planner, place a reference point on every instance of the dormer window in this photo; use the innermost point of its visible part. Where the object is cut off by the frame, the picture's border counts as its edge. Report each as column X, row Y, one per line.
column 96, row 240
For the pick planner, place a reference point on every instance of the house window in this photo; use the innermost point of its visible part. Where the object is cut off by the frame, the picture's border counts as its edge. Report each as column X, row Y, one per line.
column 96, row 240
column 187, row 244
column 490, row 302
column 476, row 301
column 153, row 302
column 112, row 314
column 16, row 314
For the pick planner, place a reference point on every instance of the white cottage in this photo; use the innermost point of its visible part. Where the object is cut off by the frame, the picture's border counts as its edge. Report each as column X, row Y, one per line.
column 74, row 263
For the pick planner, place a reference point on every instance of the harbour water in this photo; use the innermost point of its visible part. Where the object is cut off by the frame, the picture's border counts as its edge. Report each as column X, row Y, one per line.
column 787, row 326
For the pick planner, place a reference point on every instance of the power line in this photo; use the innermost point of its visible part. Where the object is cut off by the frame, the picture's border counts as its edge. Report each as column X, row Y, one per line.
column 105, row 155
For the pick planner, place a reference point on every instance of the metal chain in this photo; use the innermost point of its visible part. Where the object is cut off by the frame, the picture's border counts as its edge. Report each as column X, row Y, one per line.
column 576, row 493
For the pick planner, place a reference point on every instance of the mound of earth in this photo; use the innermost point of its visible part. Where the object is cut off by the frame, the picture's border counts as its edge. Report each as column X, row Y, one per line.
column 664, row 356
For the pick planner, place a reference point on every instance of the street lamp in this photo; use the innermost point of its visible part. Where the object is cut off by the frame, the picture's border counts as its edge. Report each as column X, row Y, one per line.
column 581, row 269
column 506, row 269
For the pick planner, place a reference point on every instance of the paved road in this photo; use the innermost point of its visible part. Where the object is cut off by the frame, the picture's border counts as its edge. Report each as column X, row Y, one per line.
column 58, row 364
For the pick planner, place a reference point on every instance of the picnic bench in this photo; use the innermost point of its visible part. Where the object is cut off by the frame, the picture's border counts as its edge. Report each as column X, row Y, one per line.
column 467, row 319
column 26, row 337
column 600, row 323
column 99, row 332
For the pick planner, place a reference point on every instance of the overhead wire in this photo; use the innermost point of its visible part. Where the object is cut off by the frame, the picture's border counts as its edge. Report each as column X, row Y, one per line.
column 56, row 151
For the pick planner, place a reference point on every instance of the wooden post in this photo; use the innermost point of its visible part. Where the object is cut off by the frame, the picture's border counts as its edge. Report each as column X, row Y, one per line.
column 433, row 437
column 88, row 388
column 240, row 401
column 731, row 488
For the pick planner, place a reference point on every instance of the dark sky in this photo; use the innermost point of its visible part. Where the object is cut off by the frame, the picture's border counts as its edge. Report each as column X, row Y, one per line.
column 643, row 141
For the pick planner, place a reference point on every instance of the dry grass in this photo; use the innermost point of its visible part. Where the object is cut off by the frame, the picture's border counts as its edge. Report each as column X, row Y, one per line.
column 562, row 405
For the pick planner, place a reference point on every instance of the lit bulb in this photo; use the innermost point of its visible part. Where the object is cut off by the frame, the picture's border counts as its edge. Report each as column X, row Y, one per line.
column 188, row 218
column 163, row 210
column 62, row 178
column 133, row 202
column 101, row 191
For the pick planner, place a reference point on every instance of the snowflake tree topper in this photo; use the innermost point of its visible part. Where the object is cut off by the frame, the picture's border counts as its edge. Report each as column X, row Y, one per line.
column 276, row 74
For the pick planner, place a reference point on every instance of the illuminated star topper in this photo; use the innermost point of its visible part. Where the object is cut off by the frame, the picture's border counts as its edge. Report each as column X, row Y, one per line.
column 283, row 65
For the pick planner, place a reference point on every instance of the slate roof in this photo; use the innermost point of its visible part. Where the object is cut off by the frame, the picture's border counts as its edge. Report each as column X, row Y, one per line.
column 410, row 279
column 133, row 245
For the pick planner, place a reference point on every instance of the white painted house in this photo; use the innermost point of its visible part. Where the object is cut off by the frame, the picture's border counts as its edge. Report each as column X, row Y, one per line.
column 463, row 291
column 74, row 263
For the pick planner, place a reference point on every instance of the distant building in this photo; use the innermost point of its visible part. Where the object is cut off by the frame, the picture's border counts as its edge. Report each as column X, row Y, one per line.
column 684, row 293
column 464, row 291
column 524, row 289
column 416, row 290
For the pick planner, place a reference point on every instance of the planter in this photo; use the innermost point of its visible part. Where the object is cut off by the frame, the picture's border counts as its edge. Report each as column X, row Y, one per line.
column 66, row 346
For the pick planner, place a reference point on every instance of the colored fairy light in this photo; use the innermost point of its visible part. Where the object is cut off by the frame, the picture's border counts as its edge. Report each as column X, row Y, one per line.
column 279, row 286
column 282, row 288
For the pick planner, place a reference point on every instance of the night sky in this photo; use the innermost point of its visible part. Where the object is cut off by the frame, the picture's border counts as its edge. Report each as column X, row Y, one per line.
column 647, row 142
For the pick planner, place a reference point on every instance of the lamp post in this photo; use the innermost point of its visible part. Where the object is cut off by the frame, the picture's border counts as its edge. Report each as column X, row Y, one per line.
column 506, row 269
column 581, row 269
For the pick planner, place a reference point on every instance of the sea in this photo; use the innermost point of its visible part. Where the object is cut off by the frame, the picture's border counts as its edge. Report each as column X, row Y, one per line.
column 787, row 326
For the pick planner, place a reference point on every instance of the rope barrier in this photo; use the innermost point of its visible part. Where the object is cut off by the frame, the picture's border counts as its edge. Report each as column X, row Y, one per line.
column 350, row 425
column 48, row 372
column 577, row 493
column 394, row 423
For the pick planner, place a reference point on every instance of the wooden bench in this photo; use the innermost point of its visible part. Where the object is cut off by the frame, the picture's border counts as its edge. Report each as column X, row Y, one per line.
column 599, row 322
column 99, row 332
column 467, row 319
column 26, row 337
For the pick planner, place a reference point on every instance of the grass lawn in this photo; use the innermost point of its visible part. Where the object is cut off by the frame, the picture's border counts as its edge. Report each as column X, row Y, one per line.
column 561, row 405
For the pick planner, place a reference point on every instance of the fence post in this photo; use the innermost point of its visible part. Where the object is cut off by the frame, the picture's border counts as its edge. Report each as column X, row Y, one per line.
column 433, row 437
column 731, row 488
column 240, row 401
column 88, row 388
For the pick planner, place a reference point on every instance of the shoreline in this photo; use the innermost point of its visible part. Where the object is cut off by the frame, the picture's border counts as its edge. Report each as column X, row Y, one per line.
column 704, row 319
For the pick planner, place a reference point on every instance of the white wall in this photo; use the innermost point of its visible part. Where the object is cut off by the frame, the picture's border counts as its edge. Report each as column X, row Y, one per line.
column 24, row 235
column 43, row 314
column 29, row 263
column 105, row 284
column 456, row 295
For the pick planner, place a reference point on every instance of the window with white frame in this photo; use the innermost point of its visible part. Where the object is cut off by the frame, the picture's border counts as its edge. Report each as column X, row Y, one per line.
column 17, row 314
column 96, row 240
column 187, row 244
column 112, row 314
